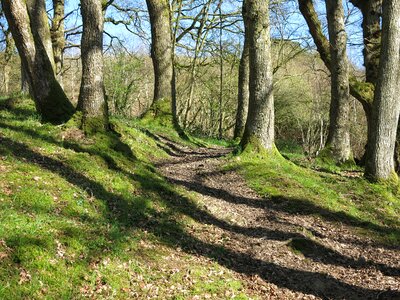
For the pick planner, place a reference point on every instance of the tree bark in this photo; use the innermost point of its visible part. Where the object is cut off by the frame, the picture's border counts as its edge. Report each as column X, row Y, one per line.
column 25, row 89
column 338, row 141
column 57, row 37
column 371, row 25
column 161, row 54
column 259, row 129
column 8, row 54
column 51, row 102
column 362, row 91
column 243, row 91
column 40, row 26
column 380, row 161
column 92, row 101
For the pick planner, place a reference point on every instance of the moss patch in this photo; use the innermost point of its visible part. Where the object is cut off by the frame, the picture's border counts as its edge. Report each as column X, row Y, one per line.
column 365, row 89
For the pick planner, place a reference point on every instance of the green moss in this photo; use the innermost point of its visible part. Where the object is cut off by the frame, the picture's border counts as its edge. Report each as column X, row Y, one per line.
column 327, row 160
column 161, row 111
column 56, row 107
column 75, row 121
column 365, row 89
column 391, row 182
column 10, row 102
column 92, row 125
column 253, row 145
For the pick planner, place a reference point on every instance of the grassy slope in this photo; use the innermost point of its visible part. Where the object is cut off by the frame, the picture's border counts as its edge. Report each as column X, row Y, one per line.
column 371, row 209
column 91, row 218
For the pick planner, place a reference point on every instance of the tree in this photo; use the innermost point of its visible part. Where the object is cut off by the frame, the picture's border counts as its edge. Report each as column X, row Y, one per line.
column 92, row 101
column 8, row 54
column 57, row 37
column 162, row 56
column 31, row 38
column 40, row 26
column 243, row 91
column 371, row 11
column 25, row 89
column 259, row 129
column 362, row 91
column 386, row 105
column 338, row 141
column 371, row 25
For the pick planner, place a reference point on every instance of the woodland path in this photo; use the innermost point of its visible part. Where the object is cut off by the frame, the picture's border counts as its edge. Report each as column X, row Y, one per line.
column 259, row 238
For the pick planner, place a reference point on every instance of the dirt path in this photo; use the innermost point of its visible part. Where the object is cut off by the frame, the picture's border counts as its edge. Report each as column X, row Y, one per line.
column 281, row 255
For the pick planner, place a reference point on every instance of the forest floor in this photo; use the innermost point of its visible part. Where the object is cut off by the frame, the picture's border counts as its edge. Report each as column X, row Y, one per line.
column 280, row 254
column 138, row 213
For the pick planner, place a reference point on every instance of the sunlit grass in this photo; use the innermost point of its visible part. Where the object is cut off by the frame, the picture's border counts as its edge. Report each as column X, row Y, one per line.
column 89, row 217
column 372, row 209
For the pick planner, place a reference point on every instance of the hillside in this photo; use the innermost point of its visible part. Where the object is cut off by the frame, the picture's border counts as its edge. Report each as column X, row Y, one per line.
column 140, row 214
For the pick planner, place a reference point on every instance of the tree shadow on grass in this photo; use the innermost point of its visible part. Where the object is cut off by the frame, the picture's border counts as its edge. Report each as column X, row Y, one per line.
column 287, row 204
column 170, row 232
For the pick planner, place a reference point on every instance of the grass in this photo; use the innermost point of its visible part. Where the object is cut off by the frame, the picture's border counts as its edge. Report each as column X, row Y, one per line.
column 91, row 218
column 292, row 151
column 371, row 209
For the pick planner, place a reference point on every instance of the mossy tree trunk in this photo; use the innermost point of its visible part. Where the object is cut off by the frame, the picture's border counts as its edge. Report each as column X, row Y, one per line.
column 338, row 141
column 31, row 39
column 57, row 37
column 243, row 91
column 362, row 91
column 259, row 129
column 92, row 101
column 380, row 161
column 161, row 54
column 163, row 107
column 371, row 25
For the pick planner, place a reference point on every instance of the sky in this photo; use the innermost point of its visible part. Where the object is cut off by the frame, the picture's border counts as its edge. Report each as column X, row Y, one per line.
column 289, row 24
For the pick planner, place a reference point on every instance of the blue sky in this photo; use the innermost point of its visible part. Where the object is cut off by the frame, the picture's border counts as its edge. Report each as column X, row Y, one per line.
column 291, row 25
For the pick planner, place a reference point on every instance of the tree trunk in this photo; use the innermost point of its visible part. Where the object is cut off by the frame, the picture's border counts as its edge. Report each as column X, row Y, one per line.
column 40, row 26
column 362, row 91
column 57, row 37
column 161, row 54
column 8, row 54
column 371, row 25
column 259, row 129
column 221, row 75
column 397, row 150
column 243, row 91
column 51, row 102
column 25, row 89
column 380, row 161
column 338, row 141
column 92, row 101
